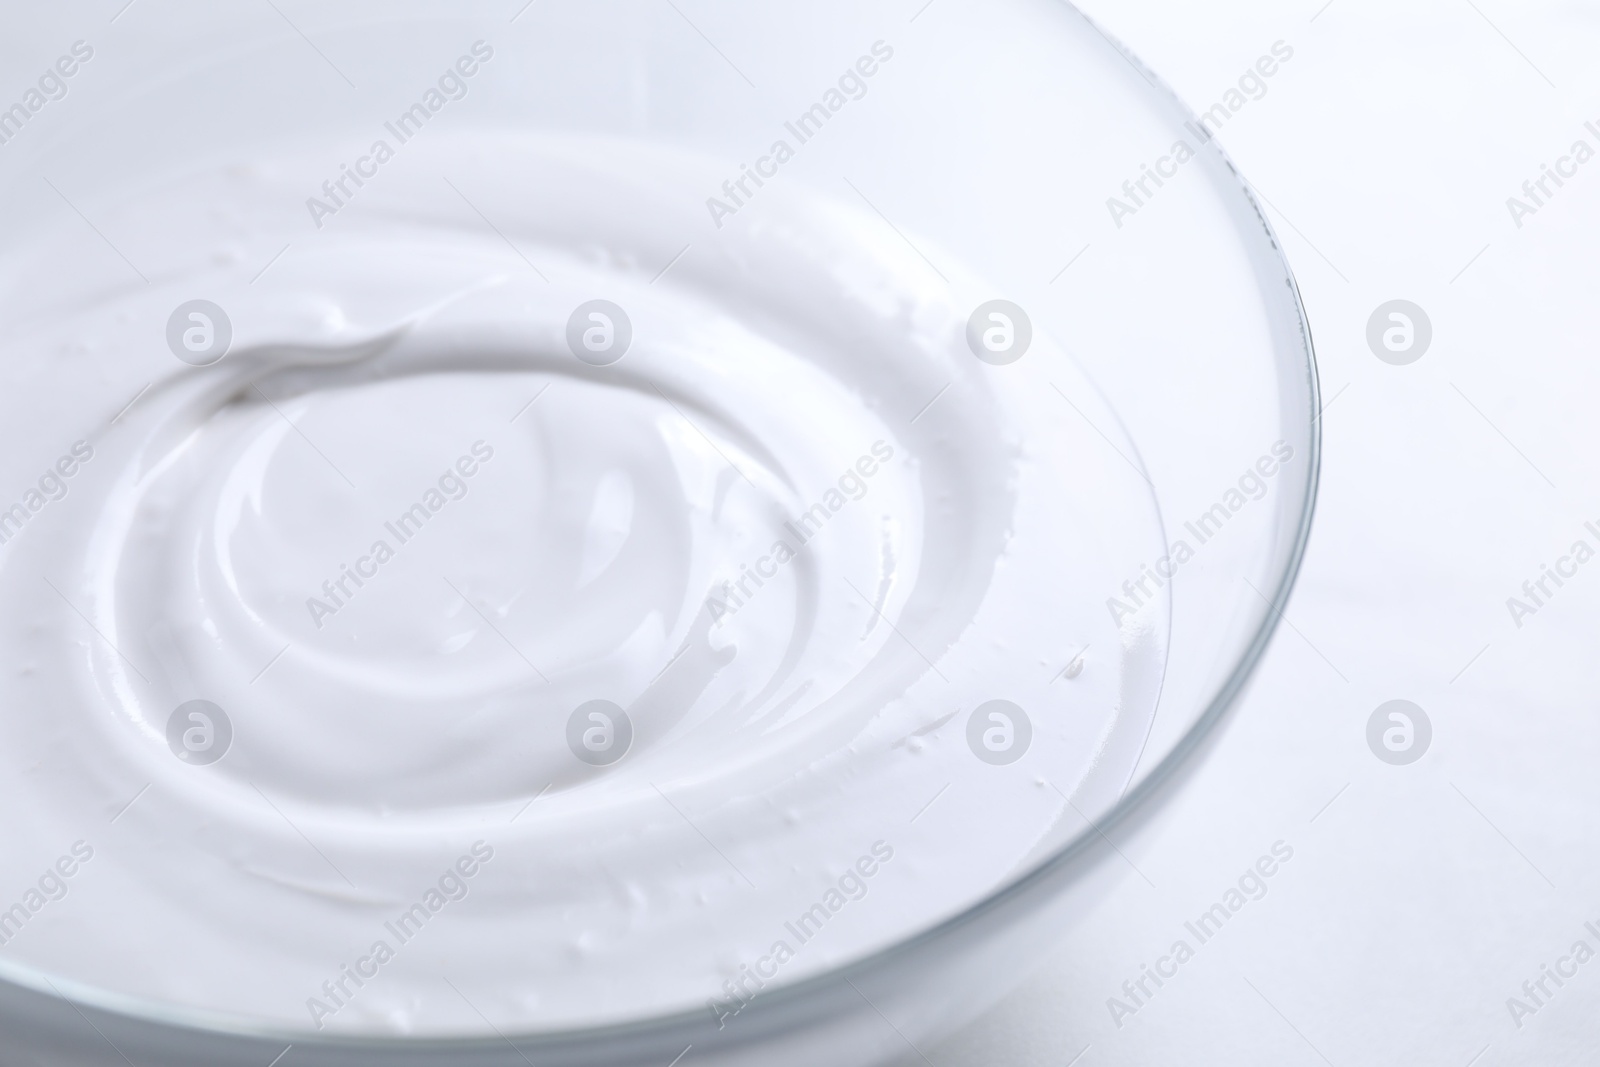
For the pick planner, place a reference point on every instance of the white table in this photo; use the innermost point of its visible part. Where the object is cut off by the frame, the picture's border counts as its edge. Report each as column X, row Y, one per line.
column 1421, row 897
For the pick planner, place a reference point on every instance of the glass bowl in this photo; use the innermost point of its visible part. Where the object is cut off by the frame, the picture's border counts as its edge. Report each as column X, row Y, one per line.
column 1013, row 143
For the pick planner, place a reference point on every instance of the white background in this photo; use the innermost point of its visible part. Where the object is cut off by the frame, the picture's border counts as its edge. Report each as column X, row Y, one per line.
column 1422, row 897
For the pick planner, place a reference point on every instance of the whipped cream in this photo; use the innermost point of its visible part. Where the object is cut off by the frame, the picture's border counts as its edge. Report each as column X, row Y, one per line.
column 549, row 691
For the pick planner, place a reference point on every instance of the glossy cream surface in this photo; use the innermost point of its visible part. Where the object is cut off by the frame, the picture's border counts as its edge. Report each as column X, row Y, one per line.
column 400, row 536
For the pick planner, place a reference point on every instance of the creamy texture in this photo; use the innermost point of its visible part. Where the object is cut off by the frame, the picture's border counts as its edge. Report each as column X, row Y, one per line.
column 554, row 533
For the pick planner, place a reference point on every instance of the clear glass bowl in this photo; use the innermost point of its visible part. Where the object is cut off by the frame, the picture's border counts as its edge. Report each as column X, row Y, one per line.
column 1014, row 139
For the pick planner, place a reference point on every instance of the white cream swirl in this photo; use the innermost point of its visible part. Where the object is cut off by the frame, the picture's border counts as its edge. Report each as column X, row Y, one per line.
column 400, row 535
